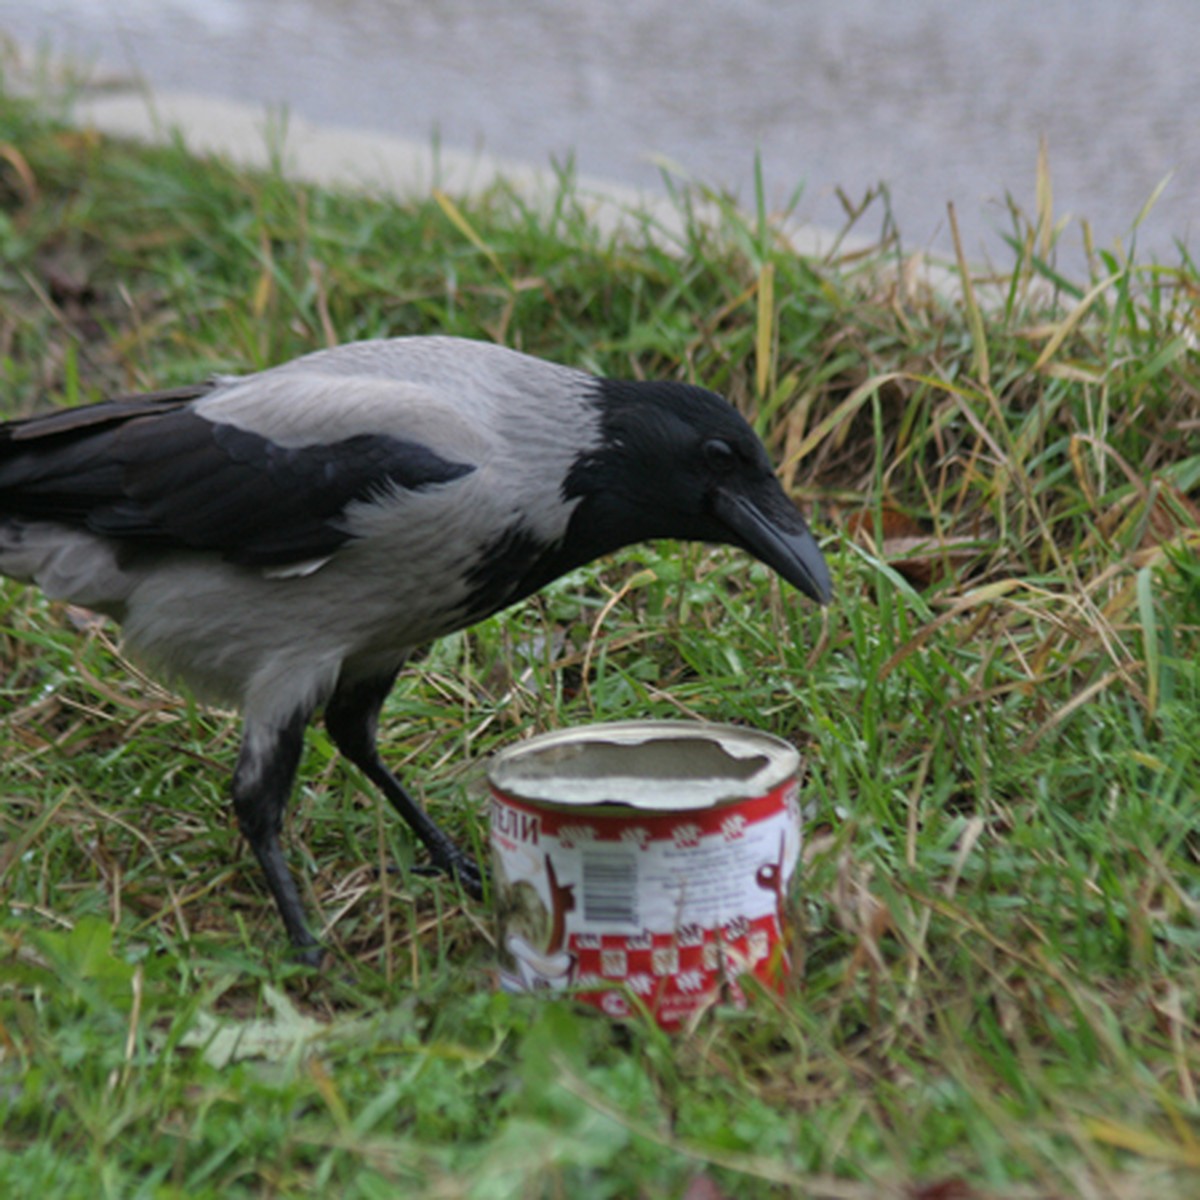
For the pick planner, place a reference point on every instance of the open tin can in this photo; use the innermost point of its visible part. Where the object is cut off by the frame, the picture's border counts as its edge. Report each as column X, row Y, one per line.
column 646, row 859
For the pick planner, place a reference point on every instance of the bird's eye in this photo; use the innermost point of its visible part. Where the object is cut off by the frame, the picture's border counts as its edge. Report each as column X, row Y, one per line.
column 719, row 455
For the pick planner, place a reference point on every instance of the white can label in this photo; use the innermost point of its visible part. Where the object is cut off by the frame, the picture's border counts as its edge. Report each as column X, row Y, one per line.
column 673, row 905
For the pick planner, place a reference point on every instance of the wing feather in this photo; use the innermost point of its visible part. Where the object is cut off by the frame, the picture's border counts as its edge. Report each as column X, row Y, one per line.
column 155, row 471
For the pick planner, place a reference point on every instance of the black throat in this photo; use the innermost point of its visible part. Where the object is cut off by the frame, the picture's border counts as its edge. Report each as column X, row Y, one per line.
column 625, row 489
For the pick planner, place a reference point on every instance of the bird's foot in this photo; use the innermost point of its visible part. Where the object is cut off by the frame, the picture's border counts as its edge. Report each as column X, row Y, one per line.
column 448, row 859
column 309, row 955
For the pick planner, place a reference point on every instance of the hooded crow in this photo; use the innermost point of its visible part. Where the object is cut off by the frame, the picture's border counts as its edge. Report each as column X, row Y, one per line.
column 282, row 541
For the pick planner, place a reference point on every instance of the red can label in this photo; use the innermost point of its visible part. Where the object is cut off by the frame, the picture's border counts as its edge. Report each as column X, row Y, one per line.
column 668, row 907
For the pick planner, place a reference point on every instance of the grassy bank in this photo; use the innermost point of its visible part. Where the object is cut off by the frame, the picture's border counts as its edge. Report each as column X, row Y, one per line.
column 999, row 911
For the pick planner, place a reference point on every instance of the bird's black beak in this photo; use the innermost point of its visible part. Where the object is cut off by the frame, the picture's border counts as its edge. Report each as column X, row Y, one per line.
column 766, row 524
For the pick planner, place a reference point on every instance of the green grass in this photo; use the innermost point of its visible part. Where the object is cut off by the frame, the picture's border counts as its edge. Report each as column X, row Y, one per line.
column 998, row 916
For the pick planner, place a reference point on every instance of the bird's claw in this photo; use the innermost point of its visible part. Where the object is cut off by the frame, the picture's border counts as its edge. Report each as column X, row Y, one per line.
column 456, row 863
column 311, row 955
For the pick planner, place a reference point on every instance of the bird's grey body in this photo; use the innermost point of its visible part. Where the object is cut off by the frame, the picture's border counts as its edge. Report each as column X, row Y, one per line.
column 282, row 541
column 468, row 402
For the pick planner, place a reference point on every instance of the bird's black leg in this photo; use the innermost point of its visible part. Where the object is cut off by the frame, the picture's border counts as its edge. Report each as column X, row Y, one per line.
column 352, row 718
column 262, row 782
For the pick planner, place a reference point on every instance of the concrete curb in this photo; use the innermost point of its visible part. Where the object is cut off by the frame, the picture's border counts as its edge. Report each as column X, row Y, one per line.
column 252, row 136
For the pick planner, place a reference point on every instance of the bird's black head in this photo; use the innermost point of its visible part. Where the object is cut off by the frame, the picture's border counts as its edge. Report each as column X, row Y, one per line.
column 676, row 461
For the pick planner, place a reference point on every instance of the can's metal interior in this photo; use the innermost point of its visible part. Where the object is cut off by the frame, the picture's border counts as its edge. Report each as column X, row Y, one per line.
column 660, row 766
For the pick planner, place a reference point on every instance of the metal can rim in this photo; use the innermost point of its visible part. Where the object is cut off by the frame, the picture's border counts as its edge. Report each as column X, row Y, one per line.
column 783, row 762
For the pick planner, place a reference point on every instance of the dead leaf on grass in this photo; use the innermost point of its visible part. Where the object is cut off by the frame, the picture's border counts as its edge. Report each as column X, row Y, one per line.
column 702, row 1187
column 908, row 548
column 944, row 1189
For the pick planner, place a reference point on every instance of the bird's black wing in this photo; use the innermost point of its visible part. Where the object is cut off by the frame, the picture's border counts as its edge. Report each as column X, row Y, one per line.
column 152, row 470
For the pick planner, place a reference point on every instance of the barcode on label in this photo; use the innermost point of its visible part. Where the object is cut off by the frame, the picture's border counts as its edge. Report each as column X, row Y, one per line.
column 610, row 880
